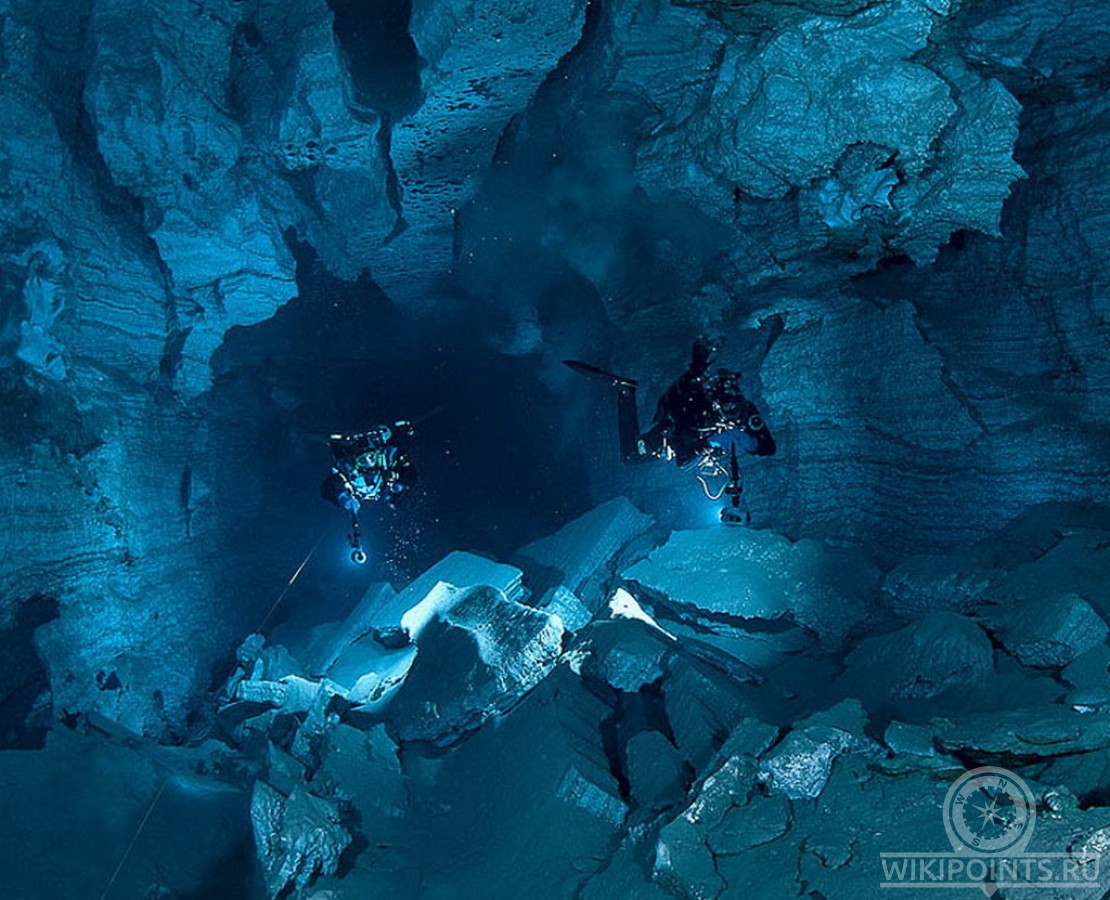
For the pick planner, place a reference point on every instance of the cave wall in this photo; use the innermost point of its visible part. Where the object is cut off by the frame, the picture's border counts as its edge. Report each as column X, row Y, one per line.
column 159, row 161
column 889, row 211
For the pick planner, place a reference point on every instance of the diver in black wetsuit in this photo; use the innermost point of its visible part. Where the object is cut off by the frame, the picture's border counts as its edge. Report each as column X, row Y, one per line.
column 698, row 415
column 701, row 419
column 367, row 467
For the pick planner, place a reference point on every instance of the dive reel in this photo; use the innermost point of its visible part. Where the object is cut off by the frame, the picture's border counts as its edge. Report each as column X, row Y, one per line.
column 358, row 555
column 734, row 514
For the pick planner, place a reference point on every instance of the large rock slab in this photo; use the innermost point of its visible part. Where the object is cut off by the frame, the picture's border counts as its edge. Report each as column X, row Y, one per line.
column 800, row 765
column 927, row 583
column 941, row 652
column 1090, row 675
column 578, row 556
column 1028, row 734
column 1074, row 565
column 474, row 660
column 299, row 837
column 685, row 862
column 760, row 577
column 370, row 651
column 535, row 793
column 1048, row 632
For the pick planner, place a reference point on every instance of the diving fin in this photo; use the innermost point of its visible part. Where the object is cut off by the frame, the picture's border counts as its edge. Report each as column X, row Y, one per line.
column 628, row 419
column 593, row 371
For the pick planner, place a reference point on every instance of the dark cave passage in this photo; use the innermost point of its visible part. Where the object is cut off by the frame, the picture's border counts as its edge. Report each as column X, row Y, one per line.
column 495, row 469
column 382, row 59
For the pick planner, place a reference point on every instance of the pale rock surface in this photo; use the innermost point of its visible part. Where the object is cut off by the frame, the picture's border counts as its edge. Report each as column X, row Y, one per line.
column 758, row 575
column 799, row 766
column 474, row 660
column 299, row 837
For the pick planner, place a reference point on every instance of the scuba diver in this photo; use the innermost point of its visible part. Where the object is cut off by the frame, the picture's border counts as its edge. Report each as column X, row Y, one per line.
column 700, row 420
column 370, row 466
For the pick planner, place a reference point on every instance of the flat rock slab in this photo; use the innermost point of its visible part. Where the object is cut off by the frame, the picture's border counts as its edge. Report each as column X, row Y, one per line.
column 761, row 576
column 1037, row 732
column 580, row 550
column 352, row 652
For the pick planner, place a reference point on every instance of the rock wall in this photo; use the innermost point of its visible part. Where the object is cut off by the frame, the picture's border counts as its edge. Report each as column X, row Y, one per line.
column 888, row 211
column 158, row 162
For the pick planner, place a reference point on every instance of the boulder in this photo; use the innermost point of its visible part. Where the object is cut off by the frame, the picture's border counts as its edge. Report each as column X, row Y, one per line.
column 477, row 654
column 1048, row 632
column 927, row 583
column 578, row 557
column 685, row 864
column 799, row 767
column 298, row 837
column 940, row 652
column 1089, row 674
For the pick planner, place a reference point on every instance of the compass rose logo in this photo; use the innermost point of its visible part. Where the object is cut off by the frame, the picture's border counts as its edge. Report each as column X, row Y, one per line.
column 989, row 814
column 989, row 810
